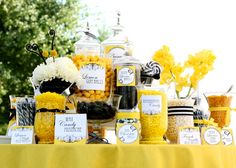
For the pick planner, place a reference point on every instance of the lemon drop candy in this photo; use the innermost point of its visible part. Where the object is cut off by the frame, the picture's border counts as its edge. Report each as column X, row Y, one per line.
column 152, row 103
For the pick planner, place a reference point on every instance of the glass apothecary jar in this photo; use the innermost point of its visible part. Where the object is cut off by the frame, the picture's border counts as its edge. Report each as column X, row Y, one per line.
column 125, row 81
column 153, row 114
column 117, row 44
column 180, row 114
column 47, row 105
column 96, row 71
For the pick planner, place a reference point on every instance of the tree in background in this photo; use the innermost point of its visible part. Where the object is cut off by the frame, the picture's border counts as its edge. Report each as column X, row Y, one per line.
column 24, row 21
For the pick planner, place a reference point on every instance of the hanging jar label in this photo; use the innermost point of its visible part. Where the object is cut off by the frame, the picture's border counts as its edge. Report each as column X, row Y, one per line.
column 227, row 136
column 127, row 133
column 93, row 75
column 151, row 104
column 125, row 76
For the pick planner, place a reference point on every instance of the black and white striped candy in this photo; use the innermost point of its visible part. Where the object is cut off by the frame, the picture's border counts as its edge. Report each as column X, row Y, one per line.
column 25, row 111
column 151, row 69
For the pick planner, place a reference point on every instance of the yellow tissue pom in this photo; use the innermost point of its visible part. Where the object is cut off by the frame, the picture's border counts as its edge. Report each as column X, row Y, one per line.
column 45, row 53
column 53, row 53
column 50, row 100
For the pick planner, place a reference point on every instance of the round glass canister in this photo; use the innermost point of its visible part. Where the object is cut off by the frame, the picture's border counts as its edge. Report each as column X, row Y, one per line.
column 153, row 114
column 126, row 78
column 47, row 104
column 128, row 127
column 180, row 114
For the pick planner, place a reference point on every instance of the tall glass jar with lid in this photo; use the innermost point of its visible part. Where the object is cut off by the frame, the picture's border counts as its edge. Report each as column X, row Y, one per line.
column 95, row 70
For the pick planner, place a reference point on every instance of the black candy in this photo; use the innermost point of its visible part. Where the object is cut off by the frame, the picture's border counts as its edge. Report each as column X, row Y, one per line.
column 98, row 110
column 56, row 85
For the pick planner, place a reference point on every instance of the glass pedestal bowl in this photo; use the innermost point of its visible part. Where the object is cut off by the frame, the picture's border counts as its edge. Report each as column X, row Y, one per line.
column 99, row 112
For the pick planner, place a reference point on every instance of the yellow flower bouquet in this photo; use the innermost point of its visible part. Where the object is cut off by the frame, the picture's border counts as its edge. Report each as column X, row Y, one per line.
column 186, row 75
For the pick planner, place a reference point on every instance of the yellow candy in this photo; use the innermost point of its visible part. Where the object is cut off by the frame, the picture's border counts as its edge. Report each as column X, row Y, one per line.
column 79, row 60
column 154, row 126
column 44, row 121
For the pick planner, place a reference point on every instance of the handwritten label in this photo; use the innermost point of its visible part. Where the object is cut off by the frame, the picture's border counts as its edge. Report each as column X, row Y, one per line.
column 70, row 128
column 211, row 135
column 189, row 135
column 227, row 136
column 93, row 75
column 127, row 134
column 126, row 76
column 23, row 135
column 151, row 104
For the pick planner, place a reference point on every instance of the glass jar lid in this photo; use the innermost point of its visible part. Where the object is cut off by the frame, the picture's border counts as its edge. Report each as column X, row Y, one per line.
column 88, row 44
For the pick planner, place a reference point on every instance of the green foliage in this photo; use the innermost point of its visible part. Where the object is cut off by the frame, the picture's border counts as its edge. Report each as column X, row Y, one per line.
column 24, row 21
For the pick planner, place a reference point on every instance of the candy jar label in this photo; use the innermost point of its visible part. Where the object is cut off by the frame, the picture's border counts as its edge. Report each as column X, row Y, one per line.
column 114, row 52
column 126, row 76
column 22, row 135
column 212, row 136
column 93, row 75
column 127, row 133
column 227, row 137
column 189, row 135
column 70, row 128
column 151, row 104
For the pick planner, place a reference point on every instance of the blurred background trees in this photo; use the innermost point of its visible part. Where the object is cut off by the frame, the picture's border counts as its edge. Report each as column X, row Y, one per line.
column 24, row 21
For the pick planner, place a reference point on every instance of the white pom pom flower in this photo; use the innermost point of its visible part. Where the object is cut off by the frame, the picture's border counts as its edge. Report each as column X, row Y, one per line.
column 62, row 67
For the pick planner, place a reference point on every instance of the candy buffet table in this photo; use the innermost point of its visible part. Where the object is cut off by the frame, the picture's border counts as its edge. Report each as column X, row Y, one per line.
column 112, row 156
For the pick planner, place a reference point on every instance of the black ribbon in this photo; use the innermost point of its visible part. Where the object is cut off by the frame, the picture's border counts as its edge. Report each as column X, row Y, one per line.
column 12, row 114
column 180, row 110
column 50, row 110
column 178, row 107
column 94, row 138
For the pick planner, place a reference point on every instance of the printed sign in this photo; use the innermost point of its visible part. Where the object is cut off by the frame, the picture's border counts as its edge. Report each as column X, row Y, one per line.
column 227, row 136
column 125, row 76
column 151, row 104
column 70, row 128
column 23, row 135
column 127, row 134
column 189, row 135
column 211, row 135
column 93, row 75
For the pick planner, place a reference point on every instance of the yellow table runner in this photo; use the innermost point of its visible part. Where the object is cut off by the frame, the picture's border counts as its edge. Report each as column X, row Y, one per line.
column 112, row 156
